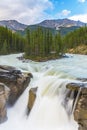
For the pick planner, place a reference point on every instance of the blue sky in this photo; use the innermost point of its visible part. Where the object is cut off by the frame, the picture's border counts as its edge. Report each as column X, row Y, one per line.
column 35, row 11
column 69, row 8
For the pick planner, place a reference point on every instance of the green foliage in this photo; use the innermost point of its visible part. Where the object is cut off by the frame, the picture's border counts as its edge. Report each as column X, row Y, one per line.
column 76, row 38
column 10, row 42
column 42, row 43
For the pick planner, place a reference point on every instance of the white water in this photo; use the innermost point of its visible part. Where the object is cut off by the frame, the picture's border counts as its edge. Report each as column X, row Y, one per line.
column 51, row 77
column 76, row 100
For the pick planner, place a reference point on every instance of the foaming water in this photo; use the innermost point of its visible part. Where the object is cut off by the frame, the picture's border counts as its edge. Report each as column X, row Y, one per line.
column 49, row 112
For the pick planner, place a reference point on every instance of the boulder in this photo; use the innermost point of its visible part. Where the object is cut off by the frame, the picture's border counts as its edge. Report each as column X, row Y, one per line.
column 32, row 97
column 15, row 80
column 4, row 94
column 80, row 110
column 82, row 79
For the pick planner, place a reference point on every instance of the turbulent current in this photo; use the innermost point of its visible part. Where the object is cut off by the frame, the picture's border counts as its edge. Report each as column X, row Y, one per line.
column 50, row 110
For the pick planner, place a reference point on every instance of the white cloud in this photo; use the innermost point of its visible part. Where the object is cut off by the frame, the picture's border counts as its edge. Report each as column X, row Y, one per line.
column 65, row 12
column 82, row 1
column 25, row 11
column 81, row 17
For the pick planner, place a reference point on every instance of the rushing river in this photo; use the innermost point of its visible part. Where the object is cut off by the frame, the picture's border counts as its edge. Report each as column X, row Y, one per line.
column 50, row 77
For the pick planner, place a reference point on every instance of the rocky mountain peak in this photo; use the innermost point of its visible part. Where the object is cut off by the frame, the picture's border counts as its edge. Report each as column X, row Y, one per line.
column 61, row 23
column 13, row 25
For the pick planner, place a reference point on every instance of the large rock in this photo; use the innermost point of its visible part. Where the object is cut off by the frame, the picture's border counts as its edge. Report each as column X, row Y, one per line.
column 80, row 109
column 32, row 97
column 15, row 80
column 4, row 94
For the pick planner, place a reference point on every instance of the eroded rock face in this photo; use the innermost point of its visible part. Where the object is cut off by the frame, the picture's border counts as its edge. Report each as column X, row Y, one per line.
column 4, row 94
column 32, row 97
column 80, row 112
column 15, row 80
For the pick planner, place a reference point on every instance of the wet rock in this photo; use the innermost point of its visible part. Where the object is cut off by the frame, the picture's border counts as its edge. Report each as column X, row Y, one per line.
column 74, row 86
column 80, row 111
column 32, row 97
column 6, row 68
column 4, row 94
column 23, row 59
column 82, row 79
column 15, row 80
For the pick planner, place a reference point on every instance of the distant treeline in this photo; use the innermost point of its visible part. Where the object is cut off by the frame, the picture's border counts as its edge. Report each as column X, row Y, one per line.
column 40, row 43
column 76, row 38
column 10, row 42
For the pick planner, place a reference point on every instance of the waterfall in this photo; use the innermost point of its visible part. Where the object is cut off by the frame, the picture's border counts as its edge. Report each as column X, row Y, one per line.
column 76, row 100
column 48, row 112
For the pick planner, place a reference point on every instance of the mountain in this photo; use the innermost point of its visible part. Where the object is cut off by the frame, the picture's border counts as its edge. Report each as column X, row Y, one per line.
column 13, row 25
column 35, row 27
column 61, row 23
column 63, row 30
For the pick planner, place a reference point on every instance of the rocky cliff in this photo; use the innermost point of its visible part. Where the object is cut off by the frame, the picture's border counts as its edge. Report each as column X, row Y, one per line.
column 16, row 83
column 4, row 94
column 80, row 103
column 15, row 80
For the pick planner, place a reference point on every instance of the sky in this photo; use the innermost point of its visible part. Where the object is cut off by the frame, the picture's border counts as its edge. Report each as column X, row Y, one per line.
column 35, row 11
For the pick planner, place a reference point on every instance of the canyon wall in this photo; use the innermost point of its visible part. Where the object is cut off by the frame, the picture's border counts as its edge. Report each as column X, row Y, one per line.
column 12, row 84
column 80, row 101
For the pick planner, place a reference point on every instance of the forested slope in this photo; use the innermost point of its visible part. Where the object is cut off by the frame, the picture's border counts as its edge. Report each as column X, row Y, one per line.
column 41, row 44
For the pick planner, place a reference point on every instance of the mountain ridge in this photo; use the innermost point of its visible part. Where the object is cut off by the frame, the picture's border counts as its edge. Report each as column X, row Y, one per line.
column 13, row 25
column 57, row 23
column 53, row 24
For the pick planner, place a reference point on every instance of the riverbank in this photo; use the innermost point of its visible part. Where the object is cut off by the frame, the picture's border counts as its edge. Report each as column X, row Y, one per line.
column 82, row 49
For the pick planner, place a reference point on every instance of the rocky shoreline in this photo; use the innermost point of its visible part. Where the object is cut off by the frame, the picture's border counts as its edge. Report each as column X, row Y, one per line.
column 41, row 59
column 81, row 49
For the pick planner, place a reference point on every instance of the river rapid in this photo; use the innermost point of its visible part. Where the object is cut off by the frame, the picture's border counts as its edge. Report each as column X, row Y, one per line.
column 50, row 77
